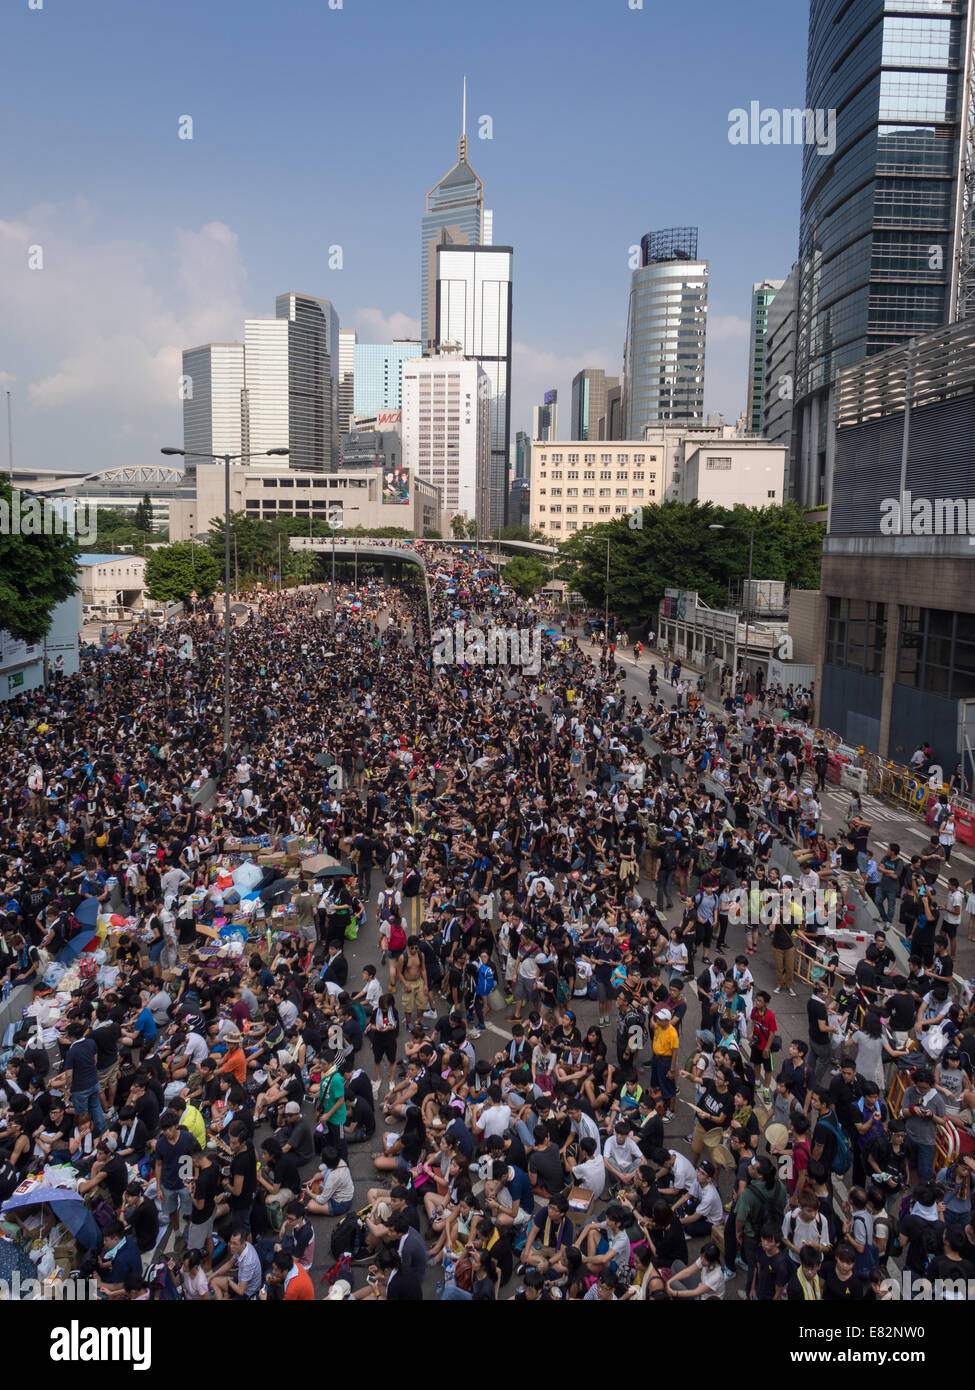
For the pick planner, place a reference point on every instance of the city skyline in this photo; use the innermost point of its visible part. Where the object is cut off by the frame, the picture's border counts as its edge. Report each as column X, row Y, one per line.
column 153, row 244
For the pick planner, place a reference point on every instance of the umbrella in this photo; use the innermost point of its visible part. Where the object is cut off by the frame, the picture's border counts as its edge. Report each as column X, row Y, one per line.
column 78, row 943
column 335, row 871
column 324, row 759
column 314, row 862
column 69, row 1208
column 87, row 912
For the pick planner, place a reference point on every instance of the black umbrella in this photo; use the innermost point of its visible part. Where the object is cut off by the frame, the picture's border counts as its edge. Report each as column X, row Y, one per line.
column 335, row 871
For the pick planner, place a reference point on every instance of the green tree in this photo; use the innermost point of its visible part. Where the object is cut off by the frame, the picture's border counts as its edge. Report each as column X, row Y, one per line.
column 472, row 529
column 37, row 572
column 673, row 546
column 526, row 575
column 457, row 526
column 302, row 565
column 143, row 515
column 173, row 572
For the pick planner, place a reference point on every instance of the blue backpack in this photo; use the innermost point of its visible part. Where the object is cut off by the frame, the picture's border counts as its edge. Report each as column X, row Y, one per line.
column 843, row 1156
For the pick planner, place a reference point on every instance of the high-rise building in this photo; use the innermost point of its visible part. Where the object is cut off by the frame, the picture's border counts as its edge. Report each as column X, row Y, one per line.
column 213, row 405
column 347, row 341
column 291, row 365
column 545, row 417
column 762, row 296
column 589, row 389
column 447, row 432
column 778, row 396
column 473, row 315
column 663, row 362
column 522, row 454
column 455, row 216
column 379, row 374
column 883, row 226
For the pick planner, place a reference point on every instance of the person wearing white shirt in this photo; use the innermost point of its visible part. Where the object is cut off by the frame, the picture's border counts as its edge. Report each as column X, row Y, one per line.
column 623, row 1155
column 591, row 1172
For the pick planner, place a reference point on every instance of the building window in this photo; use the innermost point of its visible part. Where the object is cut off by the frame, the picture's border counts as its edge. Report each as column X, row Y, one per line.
column 589, row 472
column 856, row 633
column 589, row 458
column 722, row 463
column 771, row 494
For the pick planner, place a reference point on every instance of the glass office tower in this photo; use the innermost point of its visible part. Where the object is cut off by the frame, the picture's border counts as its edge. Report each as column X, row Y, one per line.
column 663, row 360
column 454, row 215
column 762, row 296
column 880, row 215
column 379, row 375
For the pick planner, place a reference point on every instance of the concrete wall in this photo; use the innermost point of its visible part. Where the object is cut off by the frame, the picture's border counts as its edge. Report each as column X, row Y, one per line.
column 807, row 613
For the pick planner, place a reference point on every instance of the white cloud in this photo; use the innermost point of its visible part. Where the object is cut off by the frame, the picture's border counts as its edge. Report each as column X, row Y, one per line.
column 96, row 335
column 373, row 326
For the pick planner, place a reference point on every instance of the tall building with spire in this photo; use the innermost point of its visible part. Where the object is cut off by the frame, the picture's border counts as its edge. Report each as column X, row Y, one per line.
column 454, row 215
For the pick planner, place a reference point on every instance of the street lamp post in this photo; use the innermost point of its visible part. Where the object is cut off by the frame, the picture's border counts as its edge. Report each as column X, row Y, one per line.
column 226, row 460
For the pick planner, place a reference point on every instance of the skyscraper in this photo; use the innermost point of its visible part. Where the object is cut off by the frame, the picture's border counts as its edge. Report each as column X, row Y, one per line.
column 762, row 296
column 454, row 216
column 589, row 389
column 780, row 373
column 473, row 314
column 545, row 417
column 379, row 374
column 522, row 454
column 882, row 231
column 291, row 365
column 347, row 339
column 663, row 360
column 213, row 405
column 447, row 431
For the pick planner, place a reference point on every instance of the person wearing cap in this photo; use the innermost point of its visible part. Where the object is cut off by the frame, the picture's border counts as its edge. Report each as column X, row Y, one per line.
column 703, row 1202
column 663, row 1061
column 295, row 1136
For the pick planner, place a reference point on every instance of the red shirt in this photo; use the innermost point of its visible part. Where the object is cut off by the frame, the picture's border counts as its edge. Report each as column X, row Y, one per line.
column 765, row 1029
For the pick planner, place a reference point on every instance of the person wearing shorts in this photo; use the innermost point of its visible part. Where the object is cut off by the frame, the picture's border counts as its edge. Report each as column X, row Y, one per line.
column 384, row 1029
column 413, row 976
column 203, row 1196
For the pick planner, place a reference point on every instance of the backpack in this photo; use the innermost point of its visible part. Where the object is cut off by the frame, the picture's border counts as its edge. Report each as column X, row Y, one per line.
column 411, row 883
column 348, row 1238
column 162, row 1285
column 397, row 937
column 387, row 902
column 843, row 1156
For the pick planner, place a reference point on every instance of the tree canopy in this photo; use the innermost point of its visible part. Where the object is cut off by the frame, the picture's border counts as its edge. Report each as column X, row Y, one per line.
column 36, row 574
column 173, row 572
column 525, row 574
column 672, row 546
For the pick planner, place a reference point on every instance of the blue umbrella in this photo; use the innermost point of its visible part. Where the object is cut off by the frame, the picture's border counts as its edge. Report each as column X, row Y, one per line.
column 76, row 945
column 68, row 1207
column 87, row 912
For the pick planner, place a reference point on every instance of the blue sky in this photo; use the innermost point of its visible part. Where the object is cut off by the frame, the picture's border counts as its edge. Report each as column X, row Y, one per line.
column 315, row 127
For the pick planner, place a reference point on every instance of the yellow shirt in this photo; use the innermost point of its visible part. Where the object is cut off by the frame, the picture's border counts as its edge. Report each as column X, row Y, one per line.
column 665, row 1040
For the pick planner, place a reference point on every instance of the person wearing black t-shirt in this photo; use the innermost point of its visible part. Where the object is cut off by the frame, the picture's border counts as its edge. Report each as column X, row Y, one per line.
column 840, row 1284
column 140, row 1218
column 240, row 1184
column 773, row 1268
column 820, row 1033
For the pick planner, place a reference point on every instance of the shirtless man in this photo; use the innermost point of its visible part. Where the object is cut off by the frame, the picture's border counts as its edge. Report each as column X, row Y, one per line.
column 413, row 973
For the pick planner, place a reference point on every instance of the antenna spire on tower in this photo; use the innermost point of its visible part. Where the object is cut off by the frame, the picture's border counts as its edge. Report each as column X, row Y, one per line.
column 463, row 125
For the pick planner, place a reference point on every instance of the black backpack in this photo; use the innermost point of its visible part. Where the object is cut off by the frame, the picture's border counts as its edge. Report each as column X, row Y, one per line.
column 349, row 1236
column 411, row 883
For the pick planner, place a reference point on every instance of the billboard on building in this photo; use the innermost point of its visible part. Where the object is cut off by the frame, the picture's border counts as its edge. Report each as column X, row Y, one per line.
column 396, row 486
column 388, row 419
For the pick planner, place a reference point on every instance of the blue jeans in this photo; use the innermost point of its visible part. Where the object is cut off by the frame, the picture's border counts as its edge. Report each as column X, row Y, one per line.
column 451, row 1293
column 337, row 1208
column 90, row 1102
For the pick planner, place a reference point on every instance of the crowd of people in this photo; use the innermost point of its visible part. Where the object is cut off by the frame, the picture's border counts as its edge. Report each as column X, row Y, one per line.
column 532, row 996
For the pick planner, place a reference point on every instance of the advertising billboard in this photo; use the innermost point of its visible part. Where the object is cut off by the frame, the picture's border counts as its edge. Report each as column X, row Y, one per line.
column 396, row 486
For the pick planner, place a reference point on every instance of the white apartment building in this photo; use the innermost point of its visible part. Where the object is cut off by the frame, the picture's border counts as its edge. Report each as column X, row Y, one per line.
column 446, row 430
column 582, row 483
column 576, row 483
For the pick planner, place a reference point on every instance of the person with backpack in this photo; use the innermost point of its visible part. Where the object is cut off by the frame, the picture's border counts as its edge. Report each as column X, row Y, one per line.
column 762, row 1204
column 395, row 946
column 830, row 1145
